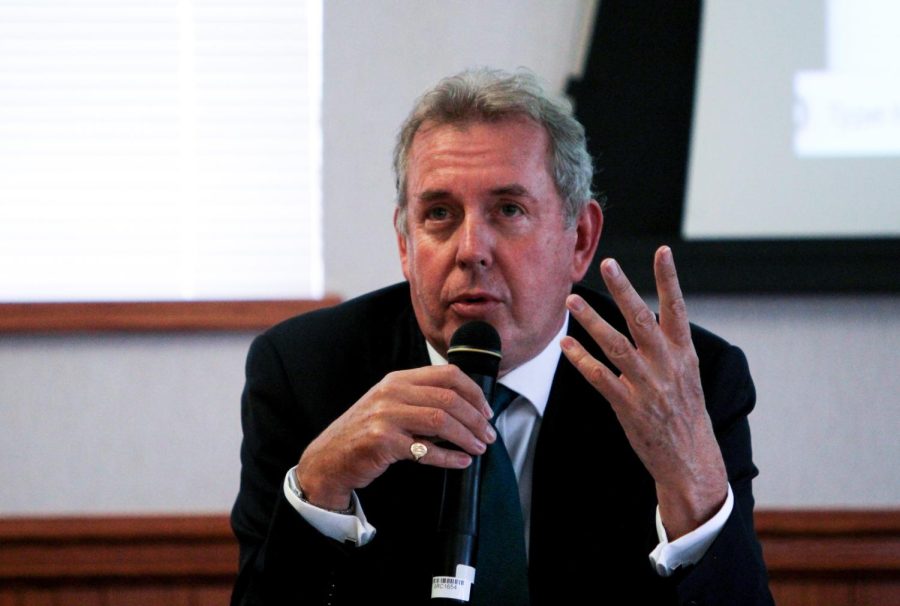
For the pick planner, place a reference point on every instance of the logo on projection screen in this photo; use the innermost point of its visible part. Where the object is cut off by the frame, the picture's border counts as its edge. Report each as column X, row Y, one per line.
column 837, row 114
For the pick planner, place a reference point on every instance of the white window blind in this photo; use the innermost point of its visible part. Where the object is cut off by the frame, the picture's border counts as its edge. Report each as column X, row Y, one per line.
column 160, row 150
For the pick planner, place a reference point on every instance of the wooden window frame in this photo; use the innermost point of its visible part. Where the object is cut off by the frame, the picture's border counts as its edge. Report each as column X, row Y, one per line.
column 153, row 316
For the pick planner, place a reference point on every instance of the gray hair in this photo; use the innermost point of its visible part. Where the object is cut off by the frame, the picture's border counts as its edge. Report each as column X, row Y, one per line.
column 491, row 95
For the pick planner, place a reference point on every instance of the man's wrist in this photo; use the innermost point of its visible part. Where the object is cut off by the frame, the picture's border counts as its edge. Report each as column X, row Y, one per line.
column 294, row 486
column 688, row 549
column 685, row 509
column 342, row 528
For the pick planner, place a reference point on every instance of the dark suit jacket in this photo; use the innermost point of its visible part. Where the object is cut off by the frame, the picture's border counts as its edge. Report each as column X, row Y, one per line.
column 593, row 502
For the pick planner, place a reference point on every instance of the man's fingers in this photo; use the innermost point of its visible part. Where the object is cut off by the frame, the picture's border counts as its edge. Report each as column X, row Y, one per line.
column 440, row 405
column 641, row 321
column 451, row 377
column 614, row 344
column 440, row 424
column 595, row 372
column 427, row 452
column 379, row 430
column 673, row 317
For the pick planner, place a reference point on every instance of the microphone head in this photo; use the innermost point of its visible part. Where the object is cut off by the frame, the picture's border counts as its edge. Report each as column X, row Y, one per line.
column 475, row 349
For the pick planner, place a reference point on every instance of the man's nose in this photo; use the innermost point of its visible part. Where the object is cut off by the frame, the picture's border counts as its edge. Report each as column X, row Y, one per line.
column 475, row 243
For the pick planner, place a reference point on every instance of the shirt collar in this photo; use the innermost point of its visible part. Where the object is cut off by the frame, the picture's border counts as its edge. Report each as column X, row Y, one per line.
column 534, row 378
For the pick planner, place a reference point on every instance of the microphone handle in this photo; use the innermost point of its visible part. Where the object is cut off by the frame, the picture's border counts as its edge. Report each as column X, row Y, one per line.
column 454, row 566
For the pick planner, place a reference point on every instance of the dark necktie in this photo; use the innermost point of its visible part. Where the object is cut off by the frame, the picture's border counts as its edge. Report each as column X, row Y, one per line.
column 502, row 566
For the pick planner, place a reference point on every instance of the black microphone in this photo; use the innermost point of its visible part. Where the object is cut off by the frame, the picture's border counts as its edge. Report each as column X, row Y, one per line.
column 475, row 349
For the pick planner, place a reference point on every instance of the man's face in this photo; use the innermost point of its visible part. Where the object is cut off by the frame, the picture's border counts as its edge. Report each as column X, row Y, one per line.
column 486, row 236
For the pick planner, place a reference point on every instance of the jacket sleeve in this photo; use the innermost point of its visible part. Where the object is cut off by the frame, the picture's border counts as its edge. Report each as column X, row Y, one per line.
column 732, row 571
column 281, row 555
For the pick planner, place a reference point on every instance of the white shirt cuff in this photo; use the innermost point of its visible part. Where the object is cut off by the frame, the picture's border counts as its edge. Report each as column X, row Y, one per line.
column 688, row 549
column 338, row 526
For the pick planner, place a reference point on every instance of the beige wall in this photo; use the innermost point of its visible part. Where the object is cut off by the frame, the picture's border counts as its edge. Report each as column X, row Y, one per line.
column 150, row 423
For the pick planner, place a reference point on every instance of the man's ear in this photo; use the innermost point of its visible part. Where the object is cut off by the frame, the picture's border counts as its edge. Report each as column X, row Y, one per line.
column 587, row 236
column 401, row 245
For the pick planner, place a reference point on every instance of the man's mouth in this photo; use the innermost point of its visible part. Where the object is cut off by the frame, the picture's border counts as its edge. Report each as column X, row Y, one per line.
column 474, row 304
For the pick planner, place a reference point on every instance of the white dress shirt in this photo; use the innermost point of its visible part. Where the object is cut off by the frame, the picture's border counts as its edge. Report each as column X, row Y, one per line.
column 519, row 426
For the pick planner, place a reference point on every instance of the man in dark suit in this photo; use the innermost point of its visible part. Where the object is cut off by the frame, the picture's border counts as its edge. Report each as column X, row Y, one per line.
column 627, row 433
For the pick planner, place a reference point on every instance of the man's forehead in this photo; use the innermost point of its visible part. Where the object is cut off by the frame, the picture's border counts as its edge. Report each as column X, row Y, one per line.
column 505, row 175
column 518, row 133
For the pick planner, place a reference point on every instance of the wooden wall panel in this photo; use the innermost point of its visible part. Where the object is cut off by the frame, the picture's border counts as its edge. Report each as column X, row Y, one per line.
column 103, row 592
column 812, row 592
column 88, row 596
column 117, row 561
column 832, row 558
column 878, row 592
column 815, row 558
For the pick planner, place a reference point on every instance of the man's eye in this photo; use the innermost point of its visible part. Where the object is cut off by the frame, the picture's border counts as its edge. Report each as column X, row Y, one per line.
column 511, row 210
column 437, row 213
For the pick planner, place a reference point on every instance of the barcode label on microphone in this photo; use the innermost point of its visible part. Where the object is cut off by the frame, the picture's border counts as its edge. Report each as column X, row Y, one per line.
column 456, row 588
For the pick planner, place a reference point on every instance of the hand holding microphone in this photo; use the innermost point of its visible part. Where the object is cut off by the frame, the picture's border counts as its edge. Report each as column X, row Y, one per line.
column 437, row 406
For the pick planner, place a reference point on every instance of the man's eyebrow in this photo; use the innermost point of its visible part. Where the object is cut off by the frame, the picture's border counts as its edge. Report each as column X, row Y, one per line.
column 513, row 189
column 434, row 195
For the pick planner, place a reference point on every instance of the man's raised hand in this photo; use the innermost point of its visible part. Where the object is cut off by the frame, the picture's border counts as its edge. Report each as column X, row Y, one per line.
column 657, row 396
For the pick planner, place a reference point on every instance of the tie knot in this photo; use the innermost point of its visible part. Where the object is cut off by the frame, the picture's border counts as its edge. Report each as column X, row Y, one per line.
column 503, row 396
